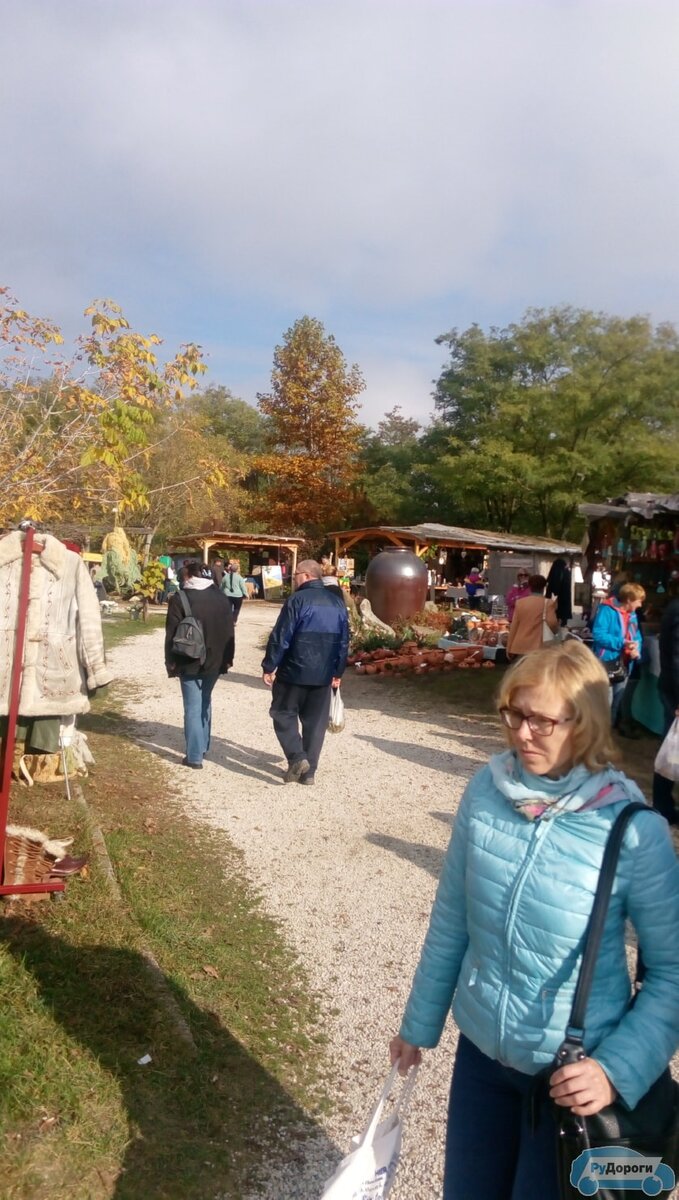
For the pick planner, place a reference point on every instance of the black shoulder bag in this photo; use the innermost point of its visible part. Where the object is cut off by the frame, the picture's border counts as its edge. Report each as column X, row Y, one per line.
column 650, row 1131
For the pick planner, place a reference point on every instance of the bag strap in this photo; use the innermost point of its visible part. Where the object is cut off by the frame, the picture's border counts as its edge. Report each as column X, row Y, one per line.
column 406, row 1092
column 368, row 1136
column 595, row 926
column 185, row 603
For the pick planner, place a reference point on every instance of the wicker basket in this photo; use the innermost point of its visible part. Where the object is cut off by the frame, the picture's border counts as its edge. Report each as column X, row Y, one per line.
column 26, row 861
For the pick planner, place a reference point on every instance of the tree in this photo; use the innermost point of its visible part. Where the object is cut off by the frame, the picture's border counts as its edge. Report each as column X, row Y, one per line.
column 225, row 415
column 313, row 432
column 565, row 406
column 194, row 479
column 388, row 457
column 76, row 433
column 397, row 431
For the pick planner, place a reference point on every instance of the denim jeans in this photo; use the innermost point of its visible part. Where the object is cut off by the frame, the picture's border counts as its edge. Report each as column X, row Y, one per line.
column 197, row 694
column 617, row 691
column 491, row 1151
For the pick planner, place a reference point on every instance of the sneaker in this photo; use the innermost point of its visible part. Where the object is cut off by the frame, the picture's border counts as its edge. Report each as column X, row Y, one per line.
column 194, row 766
column 296, row 770
column 309, row 780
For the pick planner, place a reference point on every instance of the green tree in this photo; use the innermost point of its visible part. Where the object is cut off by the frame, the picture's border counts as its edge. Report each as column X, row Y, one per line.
column 567, row 405
column 225, row 415
column 313, row 432
column 383, row 493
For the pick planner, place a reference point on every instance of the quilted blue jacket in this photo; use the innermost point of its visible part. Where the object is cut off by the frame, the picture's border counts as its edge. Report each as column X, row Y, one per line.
column 507, row 927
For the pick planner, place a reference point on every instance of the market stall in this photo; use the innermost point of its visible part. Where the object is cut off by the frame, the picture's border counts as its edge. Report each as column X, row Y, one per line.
column 270, row 559
column 451, row 551
column 635, row 536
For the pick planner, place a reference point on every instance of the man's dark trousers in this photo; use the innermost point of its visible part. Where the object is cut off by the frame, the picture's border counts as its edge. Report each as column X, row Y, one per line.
column 293, row 703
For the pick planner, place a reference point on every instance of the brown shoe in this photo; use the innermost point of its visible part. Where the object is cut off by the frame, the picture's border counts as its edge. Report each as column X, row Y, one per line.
column 69, row 865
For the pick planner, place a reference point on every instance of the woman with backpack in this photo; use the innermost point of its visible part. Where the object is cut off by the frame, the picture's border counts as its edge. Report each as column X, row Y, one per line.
column 199, row 646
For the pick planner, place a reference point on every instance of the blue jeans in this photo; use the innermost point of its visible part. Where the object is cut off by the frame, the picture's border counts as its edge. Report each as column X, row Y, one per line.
column 491, row 1151
column 197, row 694
column 617, row 691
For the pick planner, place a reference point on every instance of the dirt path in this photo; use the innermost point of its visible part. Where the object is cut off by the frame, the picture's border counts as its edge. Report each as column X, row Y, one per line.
column 349, row 866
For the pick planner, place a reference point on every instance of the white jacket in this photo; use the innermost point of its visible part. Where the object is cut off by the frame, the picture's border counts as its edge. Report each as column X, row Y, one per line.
column 64, row 647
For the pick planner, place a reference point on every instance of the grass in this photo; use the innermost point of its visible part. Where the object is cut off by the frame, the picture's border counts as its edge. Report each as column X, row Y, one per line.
column 79, row 1117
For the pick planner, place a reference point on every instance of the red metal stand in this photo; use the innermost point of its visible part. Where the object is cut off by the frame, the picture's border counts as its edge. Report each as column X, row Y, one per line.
column 9, row 740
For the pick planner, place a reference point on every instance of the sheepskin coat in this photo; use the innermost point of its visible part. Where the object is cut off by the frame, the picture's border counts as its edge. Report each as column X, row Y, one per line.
column 64, row 647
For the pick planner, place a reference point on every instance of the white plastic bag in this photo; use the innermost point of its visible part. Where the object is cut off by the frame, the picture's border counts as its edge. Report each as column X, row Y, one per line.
column 336, row 720
column 667, row 758
column 368, row 1172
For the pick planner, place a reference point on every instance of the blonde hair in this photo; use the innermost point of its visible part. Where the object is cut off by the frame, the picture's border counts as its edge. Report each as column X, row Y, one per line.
column 574, row 675
column 631, row 591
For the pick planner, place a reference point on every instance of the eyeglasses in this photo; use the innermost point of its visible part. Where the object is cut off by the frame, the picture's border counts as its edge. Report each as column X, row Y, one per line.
column 513, row 718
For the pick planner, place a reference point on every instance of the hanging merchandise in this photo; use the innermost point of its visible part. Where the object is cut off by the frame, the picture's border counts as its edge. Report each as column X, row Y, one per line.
column 51, row 657
column 64, row 651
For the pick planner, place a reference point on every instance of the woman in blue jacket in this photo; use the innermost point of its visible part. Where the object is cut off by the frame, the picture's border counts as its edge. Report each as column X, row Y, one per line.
column 507, row 927
column 616, row 638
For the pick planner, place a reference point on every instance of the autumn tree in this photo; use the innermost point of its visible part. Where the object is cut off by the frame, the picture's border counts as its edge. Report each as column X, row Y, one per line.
column 313, row 432
column 77, row 432
column 565, row 406
column 195, row 478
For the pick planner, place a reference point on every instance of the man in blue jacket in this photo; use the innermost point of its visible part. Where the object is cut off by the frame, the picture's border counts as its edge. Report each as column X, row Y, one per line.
column 305, row 658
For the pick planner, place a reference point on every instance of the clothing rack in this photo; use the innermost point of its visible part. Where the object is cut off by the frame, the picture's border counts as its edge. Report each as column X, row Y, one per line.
column 9, row 740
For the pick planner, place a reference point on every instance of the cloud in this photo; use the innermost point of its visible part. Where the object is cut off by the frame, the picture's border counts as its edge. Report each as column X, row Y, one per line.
column 366, row 162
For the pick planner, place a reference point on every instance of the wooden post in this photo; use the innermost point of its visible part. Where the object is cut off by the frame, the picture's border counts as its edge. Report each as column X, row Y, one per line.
column 147, row 549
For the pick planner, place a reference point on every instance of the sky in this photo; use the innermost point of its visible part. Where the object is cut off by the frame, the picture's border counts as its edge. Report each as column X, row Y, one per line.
column 395, row 169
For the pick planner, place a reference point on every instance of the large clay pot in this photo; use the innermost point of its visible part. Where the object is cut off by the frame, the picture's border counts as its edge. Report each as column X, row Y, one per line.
column 396, row 584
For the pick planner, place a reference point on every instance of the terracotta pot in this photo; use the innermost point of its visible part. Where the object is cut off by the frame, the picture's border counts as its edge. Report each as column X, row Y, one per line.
column 396, row 584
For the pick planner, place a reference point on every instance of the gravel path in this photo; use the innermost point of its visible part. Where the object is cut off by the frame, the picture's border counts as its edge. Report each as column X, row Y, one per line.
column 349, row 867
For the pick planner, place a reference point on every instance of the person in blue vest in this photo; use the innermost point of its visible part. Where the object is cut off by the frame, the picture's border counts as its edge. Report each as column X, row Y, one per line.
column 505, row 938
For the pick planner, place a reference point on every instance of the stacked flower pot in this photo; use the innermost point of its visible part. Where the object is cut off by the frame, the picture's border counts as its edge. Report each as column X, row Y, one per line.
column 413, row 659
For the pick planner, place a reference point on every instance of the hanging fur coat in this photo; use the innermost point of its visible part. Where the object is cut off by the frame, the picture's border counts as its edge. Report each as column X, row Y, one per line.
column 64, row 647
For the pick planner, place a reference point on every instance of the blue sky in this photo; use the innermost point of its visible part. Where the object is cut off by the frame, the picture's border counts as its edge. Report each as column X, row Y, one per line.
column 395, row 169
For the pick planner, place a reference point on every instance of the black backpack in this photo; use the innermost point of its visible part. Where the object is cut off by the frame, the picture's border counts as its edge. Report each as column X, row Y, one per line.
column 189, row 639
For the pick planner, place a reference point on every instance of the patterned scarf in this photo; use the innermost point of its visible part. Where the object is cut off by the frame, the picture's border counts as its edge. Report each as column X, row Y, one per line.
column 537, row 796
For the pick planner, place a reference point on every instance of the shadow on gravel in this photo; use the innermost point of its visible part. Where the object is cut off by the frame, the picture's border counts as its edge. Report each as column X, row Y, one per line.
column 167, row 741
column 422, row 756
column 429, row 858
column 252, row 681
column 199, row 1120
column 448, row 818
